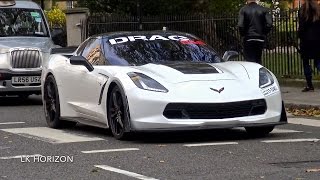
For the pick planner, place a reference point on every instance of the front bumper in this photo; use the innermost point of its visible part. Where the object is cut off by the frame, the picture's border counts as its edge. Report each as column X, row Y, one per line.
column 147, row 115
column 7, row 88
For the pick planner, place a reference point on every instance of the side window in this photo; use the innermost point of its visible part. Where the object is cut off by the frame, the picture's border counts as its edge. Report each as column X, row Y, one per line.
column 87, row 48
column 92, row 52
column 81, row 48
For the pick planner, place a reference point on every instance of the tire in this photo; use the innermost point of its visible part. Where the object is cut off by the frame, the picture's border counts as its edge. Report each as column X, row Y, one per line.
column 259, row 131
column 51, row 104
column 118, row 114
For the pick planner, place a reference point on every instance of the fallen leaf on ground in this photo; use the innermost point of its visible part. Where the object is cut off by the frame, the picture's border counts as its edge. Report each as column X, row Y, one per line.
column 304, row 112
column 313, row 170
column 94, row 170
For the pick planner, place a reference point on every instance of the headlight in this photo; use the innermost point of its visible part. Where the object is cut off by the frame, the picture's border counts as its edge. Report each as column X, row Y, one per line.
column 147, row 83
column 265, row 78
column 3, row 50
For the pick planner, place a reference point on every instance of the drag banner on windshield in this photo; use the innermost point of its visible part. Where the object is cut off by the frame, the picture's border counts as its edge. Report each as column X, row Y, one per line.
column 181, row 39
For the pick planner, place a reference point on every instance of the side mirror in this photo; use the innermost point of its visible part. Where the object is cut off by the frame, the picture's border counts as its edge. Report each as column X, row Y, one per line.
column 80, row 60
column 229, row 55
column 55, row 35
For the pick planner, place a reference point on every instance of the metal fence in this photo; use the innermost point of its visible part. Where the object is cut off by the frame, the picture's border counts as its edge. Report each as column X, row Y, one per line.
column 220, row 31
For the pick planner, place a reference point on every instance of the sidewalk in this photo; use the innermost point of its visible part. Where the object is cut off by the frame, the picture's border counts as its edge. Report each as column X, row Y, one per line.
column 293, row 97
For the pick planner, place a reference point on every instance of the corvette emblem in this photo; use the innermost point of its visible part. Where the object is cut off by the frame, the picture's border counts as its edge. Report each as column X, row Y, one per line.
column 216, row 90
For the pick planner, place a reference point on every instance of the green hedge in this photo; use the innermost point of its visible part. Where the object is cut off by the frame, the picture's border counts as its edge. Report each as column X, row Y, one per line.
column 57, row 19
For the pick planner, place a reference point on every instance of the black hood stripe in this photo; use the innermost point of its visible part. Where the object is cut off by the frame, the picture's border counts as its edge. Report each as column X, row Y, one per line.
column 193, row 68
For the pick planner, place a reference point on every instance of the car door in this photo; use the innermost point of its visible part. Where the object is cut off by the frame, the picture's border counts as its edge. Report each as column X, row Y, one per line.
column 95, row 58
column 83, row 87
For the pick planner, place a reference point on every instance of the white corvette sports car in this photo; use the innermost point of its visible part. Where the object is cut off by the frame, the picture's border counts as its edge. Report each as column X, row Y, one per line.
column 158, row 80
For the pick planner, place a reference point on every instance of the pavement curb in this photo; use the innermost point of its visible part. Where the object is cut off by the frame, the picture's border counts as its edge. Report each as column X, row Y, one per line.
column 296, row 82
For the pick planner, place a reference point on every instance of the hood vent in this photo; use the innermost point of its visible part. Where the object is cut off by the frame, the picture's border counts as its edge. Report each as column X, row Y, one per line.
column 193, row 68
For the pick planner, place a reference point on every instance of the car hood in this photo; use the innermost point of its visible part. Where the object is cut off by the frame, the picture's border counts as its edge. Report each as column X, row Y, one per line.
column 43, row 43
column 183, row 72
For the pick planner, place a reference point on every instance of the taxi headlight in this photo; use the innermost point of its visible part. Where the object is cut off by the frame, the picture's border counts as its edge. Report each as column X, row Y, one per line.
column 3, row 50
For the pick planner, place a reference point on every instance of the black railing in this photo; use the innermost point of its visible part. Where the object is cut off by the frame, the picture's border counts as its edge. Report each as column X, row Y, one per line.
column 220, row 31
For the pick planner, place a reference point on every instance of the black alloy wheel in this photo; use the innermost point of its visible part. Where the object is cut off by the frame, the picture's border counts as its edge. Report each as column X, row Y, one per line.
column 52, row 105
column 118, row 114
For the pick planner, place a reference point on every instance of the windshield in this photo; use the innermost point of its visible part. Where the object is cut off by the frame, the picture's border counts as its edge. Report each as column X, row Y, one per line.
column 139, row 50
column 22, row 22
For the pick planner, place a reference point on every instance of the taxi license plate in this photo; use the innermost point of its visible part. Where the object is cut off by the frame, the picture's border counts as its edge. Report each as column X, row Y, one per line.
column 26, row 79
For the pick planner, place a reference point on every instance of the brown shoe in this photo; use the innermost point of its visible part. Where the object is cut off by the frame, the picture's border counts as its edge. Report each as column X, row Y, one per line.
column 308, row 89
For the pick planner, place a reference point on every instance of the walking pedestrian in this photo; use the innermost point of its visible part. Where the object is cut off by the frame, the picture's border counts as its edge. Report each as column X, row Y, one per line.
column 254, row 23
column 309, row 34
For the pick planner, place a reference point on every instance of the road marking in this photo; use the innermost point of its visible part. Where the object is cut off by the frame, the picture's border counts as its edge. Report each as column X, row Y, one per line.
column 51, row 135
column 110, row 150
column 275, row 131
column 19, row 157
column 210, row 144
column 9, row 123
column 281, row 131
column 127, row 173
column 303, row 121
column 291, row 140
column 4, row 147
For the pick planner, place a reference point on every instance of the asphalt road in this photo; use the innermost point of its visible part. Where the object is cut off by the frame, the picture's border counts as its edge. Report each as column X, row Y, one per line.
column 29, row 150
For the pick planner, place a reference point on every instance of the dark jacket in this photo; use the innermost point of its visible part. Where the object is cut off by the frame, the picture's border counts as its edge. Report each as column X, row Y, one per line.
column 309, row 34
column 255, row 21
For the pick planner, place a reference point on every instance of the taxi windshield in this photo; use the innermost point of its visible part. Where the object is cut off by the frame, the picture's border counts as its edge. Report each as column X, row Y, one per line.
column 22, row 22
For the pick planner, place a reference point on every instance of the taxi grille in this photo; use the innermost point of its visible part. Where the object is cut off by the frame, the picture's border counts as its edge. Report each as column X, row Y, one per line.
column 215, row 110
column 25, row 58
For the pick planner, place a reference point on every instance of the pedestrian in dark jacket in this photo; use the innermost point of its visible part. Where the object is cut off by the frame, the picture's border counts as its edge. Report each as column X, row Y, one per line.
column 309, row 34
column 255, row 22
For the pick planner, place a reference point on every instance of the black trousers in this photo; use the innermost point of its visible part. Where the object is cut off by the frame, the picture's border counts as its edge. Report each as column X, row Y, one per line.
column 308, row 70
column 252, row 51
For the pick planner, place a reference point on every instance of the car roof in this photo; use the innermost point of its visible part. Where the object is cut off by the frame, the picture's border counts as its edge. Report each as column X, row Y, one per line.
column 25, row 4
column 139, row 33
